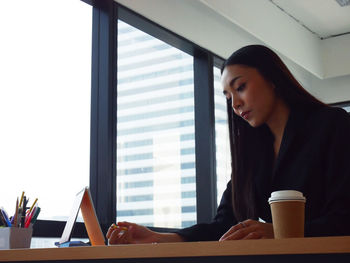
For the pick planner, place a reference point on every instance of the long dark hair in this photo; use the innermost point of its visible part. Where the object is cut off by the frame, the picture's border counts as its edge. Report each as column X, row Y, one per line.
column 245, row 141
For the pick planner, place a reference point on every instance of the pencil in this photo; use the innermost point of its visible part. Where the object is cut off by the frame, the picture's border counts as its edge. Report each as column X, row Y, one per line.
column 20, row 202
column 31, row 208
column 114, row 226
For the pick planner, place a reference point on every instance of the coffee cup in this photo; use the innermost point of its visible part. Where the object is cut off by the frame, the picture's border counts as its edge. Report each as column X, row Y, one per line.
column 288, row 213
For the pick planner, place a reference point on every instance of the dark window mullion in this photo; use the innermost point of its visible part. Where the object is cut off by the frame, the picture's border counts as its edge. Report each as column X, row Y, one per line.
column 205, row 137
column 103, row 109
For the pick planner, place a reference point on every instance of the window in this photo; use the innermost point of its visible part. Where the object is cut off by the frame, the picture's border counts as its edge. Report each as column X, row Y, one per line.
column 45, row 89
column 222, row 141
column 155, row 132
column 48, row 97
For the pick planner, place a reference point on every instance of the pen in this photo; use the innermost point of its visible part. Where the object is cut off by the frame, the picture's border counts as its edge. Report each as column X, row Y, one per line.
column 4, row 214
column 15, row 217
column 2, row 220
column 29, row 218
column 23, row 215
column 19, row 216
column 35, row 216
column 30, row 215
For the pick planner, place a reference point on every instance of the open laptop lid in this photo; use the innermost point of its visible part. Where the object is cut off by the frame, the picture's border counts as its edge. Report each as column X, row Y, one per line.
column 84, row 202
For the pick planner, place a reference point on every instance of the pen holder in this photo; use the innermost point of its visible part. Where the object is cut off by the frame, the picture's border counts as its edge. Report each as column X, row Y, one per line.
column 15, row 237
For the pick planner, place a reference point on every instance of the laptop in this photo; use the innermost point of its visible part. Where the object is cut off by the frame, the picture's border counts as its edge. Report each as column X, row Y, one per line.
column 84, row 202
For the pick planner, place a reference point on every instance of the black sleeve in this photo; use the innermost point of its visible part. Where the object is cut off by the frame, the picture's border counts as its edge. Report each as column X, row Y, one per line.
column 223, row 220
column 335, row 219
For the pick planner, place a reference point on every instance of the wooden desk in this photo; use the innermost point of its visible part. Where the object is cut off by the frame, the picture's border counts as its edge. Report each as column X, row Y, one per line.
column 326, row 249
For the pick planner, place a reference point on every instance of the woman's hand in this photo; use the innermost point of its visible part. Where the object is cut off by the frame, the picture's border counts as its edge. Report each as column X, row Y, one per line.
column 129, row 233
column 249, row 229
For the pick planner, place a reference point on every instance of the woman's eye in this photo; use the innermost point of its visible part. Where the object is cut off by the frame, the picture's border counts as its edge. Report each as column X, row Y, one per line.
column 241, row 87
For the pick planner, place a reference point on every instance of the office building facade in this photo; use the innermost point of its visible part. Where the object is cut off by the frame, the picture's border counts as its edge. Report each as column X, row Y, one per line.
column 156, row 174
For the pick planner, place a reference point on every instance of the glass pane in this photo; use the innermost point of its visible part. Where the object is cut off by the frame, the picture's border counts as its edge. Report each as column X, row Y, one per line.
column 155, row 129
column 45, row 88
column 223, row 155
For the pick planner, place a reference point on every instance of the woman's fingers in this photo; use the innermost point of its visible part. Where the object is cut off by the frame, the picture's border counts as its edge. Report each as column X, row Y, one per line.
column 125, row 224
column 232, row 230
column 253, row 235
column 110, row 230
column 117, row 234
column 248, row 229
column 239, row 234
column 117, row 237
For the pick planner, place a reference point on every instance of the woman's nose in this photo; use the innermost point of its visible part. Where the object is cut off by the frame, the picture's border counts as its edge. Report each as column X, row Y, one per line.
column 236, row 103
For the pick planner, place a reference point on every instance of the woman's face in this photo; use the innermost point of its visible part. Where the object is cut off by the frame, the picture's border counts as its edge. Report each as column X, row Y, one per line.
column 253, row 98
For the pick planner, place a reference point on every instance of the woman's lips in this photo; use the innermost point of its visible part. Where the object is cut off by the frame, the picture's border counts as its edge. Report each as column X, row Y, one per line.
column 245, row 115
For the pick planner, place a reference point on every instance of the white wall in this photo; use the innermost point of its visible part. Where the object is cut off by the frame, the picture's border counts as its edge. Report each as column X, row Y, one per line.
column 330, row 90
column 336, row 58
column 198, row 22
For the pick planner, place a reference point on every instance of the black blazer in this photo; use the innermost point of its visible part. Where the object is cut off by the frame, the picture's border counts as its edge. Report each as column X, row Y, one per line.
column 314, row 158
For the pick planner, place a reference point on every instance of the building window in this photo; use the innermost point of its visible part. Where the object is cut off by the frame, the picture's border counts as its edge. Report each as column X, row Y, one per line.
column 222, row 141
column 155, row 131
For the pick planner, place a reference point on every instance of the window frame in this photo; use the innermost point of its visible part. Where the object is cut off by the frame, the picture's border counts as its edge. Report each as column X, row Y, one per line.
column 103, row 117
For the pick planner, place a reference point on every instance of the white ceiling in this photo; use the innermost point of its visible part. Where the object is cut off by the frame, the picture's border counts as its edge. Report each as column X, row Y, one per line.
column 314, row 34
column 325, row 18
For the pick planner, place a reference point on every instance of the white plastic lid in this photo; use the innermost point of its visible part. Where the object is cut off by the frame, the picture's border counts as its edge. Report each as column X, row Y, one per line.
column 286, row 195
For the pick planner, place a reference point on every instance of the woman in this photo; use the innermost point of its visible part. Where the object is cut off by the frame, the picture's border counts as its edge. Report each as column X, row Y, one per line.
column 281, row 138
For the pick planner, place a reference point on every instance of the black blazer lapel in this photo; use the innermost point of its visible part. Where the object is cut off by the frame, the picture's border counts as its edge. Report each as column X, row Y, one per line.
column 294, row 123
